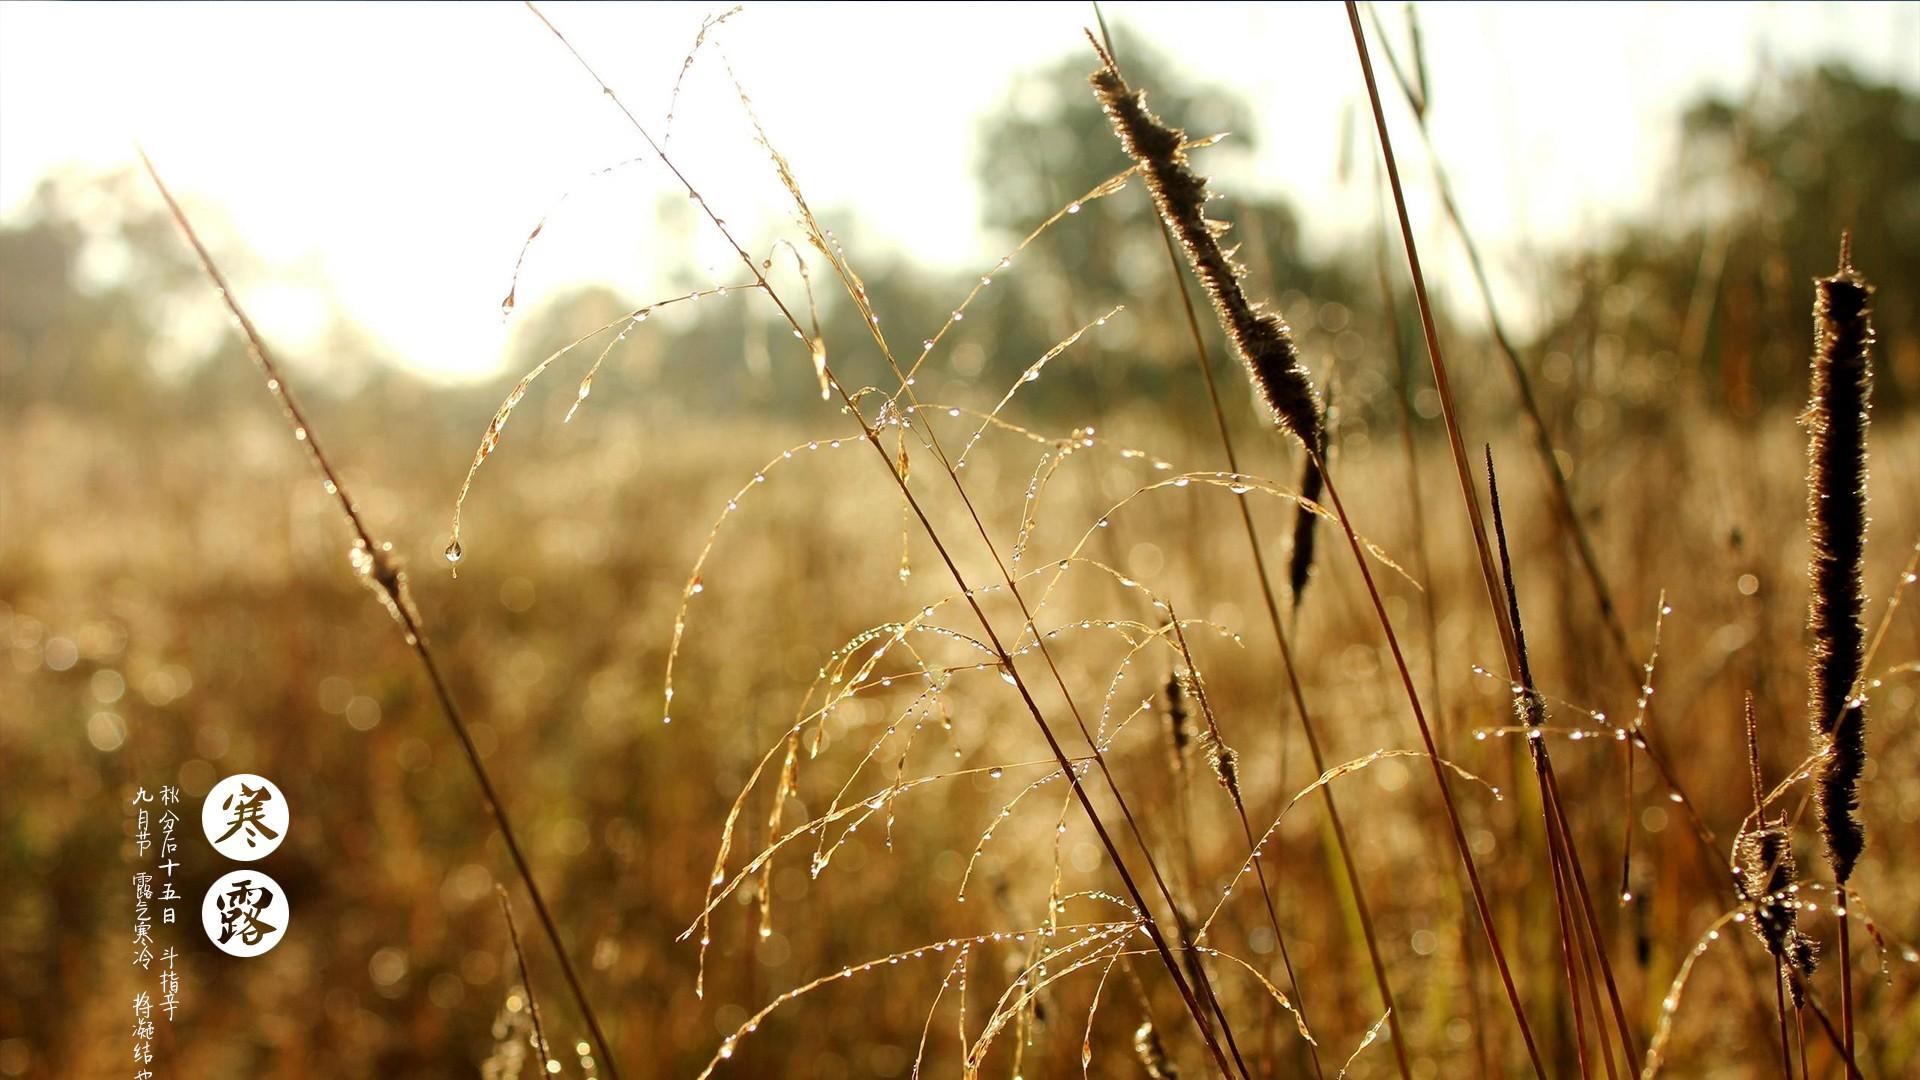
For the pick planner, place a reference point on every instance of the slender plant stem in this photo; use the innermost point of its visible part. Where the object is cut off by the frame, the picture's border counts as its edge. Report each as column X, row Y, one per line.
column 1440, row 776
column 1846, row 980
column 1629, row 1041
column 1361, row 907
column 871, row 436
column 1780, row 1009
column 1469, row 494
column 1246, row 829
column 540, row 1042
column 1569, row 951
column 378, row 564
column 1561, row 501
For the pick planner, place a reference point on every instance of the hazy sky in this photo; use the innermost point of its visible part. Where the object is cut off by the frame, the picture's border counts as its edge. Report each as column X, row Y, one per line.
column 390, row 158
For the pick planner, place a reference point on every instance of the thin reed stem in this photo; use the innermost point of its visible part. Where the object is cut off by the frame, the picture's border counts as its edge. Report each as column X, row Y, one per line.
column 1468, row 493
column 871, row 436
column 1415, row 92
column 1361, row 906
column 541, row 1044
column 1561, row 500
column 381, row 570
column 1440, row 777
column 1229, row 778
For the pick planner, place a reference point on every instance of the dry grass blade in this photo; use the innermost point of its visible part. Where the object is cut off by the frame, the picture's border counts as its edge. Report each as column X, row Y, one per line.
column 1299, row 563
column 1472, row 501
column 540, row 1044
column 872, row 437
column 380, row 569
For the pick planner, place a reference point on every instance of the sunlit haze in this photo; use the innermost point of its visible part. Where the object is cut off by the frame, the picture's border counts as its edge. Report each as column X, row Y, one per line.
column 390, row 158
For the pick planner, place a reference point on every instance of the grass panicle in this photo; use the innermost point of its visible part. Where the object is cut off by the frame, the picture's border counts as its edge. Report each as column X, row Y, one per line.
column 1836, row 420
column 1261, row 338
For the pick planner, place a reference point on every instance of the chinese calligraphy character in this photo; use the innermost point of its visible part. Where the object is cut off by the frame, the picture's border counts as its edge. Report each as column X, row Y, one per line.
column 249, row 806
column 244, row 817
column 245, row 913
column 240, row 911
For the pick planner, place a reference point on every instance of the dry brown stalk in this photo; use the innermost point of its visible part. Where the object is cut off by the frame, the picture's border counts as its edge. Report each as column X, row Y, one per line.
column 871, row 436
column 380, row 569
column 541, row 1046
column 1229, row 288
column 1471, row 498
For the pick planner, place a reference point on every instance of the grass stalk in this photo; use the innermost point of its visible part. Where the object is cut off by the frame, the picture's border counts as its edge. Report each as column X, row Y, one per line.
column 381, row 571
column 871, row 436
column 1469, row 495
column 541, row 1045
column 1267, row 595
column 1414, row 89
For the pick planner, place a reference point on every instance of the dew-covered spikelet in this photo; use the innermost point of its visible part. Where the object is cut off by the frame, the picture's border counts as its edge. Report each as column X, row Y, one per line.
column 1836, row 420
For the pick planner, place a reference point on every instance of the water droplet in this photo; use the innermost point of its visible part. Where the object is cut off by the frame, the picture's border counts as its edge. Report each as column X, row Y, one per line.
column 454, row 553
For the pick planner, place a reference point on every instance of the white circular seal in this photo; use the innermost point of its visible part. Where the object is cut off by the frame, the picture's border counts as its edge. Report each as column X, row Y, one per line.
column 245, row 817
column 245, row 913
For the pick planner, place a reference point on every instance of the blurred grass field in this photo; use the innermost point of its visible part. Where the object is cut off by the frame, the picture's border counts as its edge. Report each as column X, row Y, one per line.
column 178, row 606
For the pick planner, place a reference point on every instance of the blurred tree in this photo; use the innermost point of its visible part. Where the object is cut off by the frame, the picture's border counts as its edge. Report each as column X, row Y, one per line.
column 1716, row 286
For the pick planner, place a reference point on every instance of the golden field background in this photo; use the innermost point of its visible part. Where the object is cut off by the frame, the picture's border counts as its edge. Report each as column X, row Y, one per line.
column 178, row 606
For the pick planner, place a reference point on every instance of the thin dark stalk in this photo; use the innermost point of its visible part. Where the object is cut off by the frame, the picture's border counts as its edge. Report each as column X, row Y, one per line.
column 1468, row 493
column 1780, row 1010
column 1362, row 908
column 1440, row 777
column 1569, row 951
column 1523, row 386
column 1800, row 1025
column 1561, row 845
column 1530, row 711
column 1562, row 502
column 871, row 436
column 1846, row 983
column 1834, row 1038
column 526, row 980
column 1230, row 779
column 1630, row 1042
column 382, row 572
column 1416, row 502
column 1416, row 496
column 1267, row 351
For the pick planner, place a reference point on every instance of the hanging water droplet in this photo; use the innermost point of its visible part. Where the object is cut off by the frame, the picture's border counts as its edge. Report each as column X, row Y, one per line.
column 454, row 554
